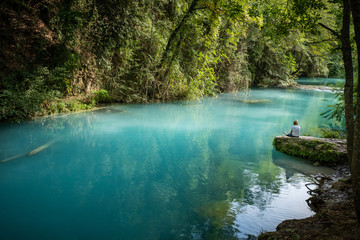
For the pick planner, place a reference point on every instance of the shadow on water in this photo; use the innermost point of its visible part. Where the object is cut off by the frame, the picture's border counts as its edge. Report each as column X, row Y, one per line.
column 294, row 165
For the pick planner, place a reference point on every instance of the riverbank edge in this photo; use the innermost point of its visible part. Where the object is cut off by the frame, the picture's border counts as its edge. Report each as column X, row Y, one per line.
column 331, row 200
column 320, row 151
column 333, row 204
column 84, row 103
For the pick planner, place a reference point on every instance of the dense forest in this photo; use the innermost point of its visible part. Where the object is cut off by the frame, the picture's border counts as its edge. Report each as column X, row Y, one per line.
column 66, row 55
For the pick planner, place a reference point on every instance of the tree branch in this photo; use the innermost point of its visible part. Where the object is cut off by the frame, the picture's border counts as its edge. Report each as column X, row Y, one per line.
column 331, row 30
column 324, row 40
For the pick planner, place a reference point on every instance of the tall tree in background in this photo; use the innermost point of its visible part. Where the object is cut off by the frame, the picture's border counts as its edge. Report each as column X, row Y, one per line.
column 352, row 125
column 349, row 76
column 355, row 165
column 344, row 37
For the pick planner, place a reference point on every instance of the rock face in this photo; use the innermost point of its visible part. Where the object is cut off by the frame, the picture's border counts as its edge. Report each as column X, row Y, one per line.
column 318, row 150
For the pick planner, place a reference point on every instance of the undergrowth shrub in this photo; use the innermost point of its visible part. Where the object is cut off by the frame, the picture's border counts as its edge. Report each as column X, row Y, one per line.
column 330, row 133
column 102, row 96
column 69, row 105
column 23, row 95
column 325, row 133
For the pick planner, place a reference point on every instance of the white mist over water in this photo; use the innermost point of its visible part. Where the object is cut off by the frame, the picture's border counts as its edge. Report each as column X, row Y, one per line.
column 185, row 170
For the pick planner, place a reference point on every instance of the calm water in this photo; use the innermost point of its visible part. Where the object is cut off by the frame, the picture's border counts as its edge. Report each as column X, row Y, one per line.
column 199, row 170
column 319, row 81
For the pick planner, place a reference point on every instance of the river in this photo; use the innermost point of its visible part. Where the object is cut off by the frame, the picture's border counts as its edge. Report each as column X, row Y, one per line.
column 182, row 170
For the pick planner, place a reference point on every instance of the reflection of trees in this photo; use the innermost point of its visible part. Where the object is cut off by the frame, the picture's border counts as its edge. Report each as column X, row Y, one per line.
column 165, row 165
column 158, row 172
column 293, row 165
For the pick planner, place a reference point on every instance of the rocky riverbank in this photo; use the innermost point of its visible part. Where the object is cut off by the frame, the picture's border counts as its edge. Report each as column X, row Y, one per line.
column 335, row 216
column 331, row 196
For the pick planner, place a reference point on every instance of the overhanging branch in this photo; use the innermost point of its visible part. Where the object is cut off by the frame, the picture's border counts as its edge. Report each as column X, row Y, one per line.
column 331, row 30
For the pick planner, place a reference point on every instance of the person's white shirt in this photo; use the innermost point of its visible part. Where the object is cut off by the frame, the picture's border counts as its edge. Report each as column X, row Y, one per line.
column 295, row 130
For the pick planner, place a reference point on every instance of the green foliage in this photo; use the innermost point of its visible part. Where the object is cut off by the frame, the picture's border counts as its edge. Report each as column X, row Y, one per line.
column 324, row 132
column 24, row 93
column 330, row 133
column 61, row 105
column 27, row 95
column 159, row 50
column 337, row 110
column 102, row 96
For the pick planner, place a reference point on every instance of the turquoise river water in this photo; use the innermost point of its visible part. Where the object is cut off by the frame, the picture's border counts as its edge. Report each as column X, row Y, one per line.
column 320, row 81
column 184, row 170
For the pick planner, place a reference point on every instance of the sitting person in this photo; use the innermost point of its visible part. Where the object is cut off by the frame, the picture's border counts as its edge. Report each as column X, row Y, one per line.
column 295, row 130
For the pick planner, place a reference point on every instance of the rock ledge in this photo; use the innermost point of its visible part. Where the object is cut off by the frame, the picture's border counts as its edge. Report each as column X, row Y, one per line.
column 318, row 150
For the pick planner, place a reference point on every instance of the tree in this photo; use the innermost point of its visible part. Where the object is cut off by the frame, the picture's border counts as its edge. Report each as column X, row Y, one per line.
column 344, row 38
column 355, row 165
column 352, row 127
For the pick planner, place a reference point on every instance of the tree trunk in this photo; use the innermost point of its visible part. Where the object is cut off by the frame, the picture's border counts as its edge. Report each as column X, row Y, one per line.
column 344, row 37
column 170, row 44
column 349, row 78
column 355, row 166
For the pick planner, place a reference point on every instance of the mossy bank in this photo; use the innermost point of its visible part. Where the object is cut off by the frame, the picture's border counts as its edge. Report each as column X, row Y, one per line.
column 318, row 150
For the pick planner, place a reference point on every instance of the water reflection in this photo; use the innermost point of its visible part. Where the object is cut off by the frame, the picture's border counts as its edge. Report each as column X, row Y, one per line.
column 159, row 171
column 293, row 165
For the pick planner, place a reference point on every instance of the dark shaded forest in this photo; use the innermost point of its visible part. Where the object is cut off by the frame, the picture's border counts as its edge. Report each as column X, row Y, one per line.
column 67, row 55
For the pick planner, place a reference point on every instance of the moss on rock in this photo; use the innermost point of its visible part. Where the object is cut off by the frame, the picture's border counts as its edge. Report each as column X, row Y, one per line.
column 318, row 150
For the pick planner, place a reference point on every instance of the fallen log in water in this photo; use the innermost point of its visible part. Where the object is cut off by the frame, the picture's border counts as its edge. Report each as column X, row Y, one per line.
column 41, row 148
column 256, row 101
column 33, row 152
column 318, row 150
column 12, row 158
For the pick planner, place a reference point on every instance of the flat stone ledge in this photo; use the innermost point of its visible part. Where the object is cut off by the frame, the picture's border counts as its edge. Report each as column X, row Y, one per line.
column 318, row 150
